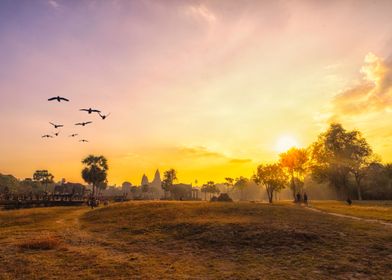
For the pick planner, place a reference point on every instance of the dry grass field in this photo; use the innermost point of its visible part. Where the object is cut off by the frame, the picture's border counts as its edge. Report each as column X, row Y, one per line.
column 191, row 240
column 379, row 210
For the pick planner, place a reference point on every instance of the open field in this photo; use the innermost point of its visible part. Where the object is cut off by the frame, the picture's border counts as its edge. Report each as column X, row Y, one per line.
column 379, row 210
column 191, row 240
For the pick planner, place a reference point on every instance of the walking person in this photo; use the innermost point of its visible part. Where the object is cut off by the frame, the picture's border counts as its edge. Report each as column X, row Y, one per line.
column 306, row 199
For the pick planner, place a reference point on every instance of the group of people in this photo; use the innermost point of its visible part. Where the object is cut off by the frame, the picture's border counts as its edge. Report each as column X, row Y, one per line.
column 301, row 198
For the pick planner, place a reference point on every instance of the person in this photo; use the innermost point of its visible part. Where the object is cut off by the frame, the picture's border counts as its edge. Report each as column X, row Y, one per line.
column 298, row 198
column 305, row 198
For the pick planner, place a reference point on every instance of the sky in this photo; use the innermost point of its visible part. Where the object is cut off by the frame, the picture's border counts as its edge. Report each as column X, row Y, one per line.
column 210, row 88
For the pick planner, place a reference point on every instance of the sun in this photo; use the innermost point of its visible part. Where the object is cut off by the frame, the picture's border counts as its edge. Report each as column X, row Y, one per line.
column 285, row 142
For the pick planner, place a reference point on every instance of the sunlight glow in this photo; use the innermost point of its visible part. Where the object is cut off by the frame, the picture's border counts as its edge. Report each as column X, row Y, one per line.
column 285, row 142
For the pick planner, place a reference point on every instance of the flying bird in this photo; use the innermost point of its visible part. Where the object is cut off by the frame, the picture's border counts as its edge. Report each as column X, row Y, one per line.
column 83, row 123
column 47, row 136
column 104, row 116
column 83, row 140
column 73, row 135
column 89, row 110
column 56, row 133
column 56, row 125
column 58, row 98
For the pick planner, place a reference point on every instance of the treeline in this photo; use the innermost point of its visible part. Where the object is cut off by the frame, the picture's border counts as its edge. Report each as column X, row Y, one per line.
column 41, row 181
column 341, row 159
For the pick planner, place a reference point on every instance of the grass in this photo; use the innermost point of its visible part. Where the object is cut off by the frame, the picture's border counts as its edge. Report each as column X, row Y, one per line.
column 192, row 240
column 378, row 210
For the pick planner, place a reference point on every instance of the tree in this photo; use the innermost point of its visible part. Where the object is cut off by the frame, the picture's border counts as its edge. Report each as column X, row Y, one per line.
column 95, row 172
column 229, row 183
column 294, row 161
column 336, row 155
column 240, row 184
column 210, row 187
column 168, row 179
column 44, row 177
column 272, row 176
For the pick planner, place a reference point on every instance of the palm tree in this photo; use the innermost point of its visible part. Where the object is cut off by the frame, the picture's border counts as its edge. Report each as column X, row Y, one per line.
column 95, row 172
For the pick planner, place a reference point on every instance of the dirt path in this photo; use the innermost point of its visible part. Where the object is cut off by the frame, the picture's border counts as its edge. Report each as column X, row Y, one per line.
column 310, row 208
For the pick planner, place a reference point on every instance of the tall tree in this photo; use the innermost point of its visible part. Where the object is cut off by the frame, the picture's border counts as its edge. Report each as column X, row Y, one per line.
column 168, row 179
column 272, row 176
column 229, row 184
column 210, row 187
column 294, row 161
column 336, row 155
column 95, row 171
column 240, row 184
column 44, row 177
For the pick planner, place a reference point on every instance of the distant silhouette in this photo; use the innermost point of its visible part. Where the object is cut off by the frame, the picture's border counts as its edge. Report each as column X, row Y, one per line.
column 299, row 197
column 47, row 136
column 89, row 110
column 104, row 116
column 73, row 135
column 56, row 125
column 56, row 133
column 83, row 140
column 83, row 123
column 349, row 201
column 58, row 98
column 305, row 198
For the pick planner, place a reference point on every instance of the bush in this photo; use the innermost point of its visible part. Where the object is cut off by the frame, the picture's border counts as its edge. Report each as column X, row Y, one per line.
column 223, row 197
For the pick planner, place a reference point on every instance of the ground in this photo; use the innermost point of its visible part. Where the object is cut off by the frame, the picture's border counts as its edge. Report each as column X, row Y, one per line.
column 193, row 240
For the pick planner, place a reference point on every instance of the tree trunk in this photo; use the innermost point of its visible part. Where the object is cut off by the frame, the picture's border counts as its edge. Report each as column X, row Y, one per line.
column 270, row 194
column 359, row 191
column 293, row 187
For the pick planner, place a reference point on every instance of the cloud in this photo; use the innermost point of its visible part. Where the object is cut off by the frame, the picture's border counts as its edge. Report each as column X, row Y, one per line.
column 240, row 160
column 200, row 12
column 199, row 151
column 54, row 4
column 372, row 94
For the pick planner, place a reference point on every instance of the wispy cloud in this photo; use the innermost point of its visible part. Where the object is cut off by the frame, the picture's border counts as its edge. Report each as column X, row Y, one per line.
column 240, row 160
column 372, row 94
column 200, row 12
column 54, row 4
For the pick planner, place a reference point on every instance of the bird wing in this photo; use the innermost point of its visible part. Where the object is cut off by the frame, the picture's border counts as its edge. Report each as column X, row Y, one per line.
column 52, row 98
column 96, row 111
column 87, row 122
column 65, row 99
column 78, row 123
column 84, row 110
column 52, row 123
column 60, row 125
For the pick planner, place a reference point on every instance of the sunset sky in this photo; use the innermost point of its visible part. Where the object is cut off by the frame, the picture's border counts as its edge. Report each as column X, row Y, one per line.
column 210, row 88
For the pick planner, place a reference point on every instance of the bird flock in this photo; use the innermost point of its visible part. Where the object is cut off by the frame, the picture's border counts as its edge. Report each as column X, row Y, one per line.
column 82, row 124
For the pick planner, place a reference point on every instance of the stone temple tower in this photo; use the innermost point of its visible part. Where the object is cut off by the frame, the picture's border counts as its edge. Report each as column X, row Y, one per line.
column 144, row 180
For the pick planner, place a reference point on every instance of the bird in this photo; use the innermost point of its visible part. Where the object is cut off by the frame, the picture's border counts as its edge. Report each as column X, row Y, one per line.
column 73, row 135
column 56, row 133
column 103, row 116
column 58, row 98
column 56, row 125
column 83, row 140
column 83, row 123
column 89, row 110
column 47, row 136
